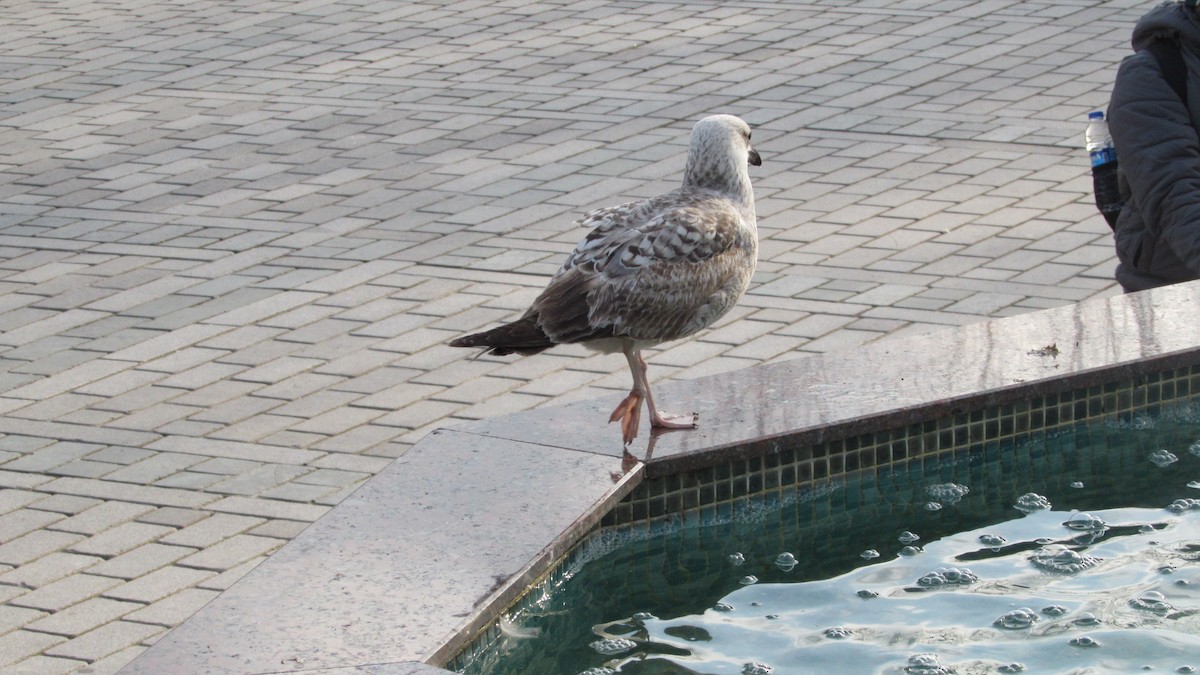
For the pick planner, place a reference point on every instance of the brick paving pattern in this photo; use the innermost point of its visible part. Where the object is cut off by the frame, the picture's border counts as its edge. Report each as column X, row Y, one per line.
column 235, row 237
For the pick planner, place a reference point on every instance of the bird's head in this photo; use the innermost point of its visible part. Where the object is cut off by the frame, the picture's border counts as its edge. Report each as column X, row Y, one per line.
column 720, row 156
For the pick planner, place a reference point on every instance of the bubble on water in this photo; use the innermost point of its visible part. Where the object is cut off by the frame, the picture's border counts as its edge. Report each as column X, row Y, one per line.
column 869, row 554
column 925, row 664
column 947, row 576
column 867, row 595
column 1086, row 522
column 1084, row 641
column 1151, row 601
column 723, row 607
column 786, row 561
column 1140, row 422
column 933, row 506
column 1194, row 448
column 771, row 617
column 907, row 537
column 613, row 646
column 1017, row 619
column 910, row 550
column 1030, row 502
column 837, row 633
column 1185, row 669
column 1163, row 457
column 1076, row 484
column 992, row 540
column 748, row 580
column 737, row 559
column 1054, row 610
column 1086, row 619
column 1184, row 504
column 756, row 669
column 598, row 671
column 1166, row 569
column 1182, row 582
column 947, row 493
column 1014, row 667
column 643, row 616
column 1146, row 529
column 1194, row 484
column 1059, row 558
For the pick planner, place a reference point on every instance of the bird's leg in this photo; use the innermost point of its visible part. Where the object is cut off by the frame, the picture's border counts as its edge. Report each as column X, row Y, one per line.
column 659, row 419
column 629, row 410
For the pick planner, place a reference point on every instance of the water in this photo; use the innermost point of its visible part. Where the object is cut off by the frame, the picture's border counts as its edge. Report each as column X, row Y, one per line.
column 1075, row 553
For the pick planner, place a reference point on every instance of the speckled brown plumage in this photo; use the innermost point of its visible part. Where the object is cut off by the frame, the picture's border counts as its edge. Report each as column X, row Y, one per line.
column 653, row 270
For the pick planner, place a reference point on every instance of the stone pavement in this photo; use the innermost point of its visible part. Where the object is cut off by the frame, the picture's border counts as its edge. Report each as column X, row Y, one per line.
column 235, row 236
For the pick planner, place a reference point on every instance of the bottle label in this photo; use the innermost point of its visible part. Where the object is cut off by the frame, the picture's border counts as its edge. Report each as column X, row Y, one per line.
column 1103, row 156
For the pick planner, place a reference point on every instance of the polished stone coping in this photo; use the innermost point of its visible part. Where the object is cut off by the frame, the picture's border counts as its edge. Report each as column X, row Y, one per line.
column 425, row 554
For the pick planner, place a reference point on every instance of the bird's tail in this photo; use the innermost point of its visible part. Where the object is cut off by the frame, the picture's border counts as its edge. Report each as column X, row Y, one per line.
column 522, row 336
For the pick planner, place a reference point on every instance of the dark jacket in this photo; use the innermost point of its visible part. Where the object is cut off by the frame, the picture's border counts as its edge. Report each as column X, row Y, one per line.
column 1158, row 149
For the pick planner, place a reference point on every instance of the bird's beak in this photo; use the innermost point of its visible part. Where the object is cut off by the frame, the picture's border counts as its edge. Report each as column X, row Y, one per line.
column 755, row 159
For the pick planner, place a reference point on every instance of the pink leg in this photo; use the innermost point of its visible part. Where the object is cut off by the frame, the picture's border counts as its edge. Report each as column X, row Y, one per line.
column 629, row 409
column 658, row 418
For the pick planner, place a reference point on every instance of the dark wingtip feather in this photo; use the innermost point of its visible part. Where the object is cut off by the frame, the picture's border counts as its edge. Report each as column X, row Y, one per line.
column 519, row 337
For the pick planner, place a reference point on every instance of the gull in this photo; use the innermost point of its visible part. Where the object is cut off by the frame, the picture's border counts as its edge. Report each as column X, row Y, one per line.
column 651, row 271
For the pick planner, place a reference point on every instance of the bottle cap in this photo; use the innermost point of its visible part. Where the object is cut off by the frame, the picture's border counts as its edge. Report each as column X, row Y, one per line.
column 1096, row 115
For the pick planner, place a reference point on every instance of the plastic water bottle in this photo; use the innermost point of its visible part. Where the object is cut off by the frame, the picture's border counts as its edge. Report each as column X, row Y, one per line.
column 1103, row 155
column 1098, row 141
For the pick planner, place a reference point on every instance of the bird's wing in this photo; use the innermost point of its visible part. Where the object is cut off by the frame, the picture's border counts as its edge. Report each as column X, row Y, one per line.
column 653, row 270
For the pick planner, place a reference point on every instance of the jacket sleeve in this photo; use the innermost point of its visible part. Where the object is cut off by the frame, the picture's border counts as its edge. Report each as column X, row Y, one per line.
column 1159, row 152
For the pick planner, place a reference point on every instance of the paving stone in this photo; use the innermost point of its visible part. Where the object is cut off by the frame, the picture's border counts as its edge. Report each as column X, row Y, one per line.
column 18, row 645
column 174, row 517
column 49, row 665
column 128, row 492
column 51, row 456
column 121, row 538
column 101, row 517
column 173, row 609
column 231, row 552
column 83, row 617
column 227, row 578
column 114, row 662
column 35, row 545
column 23, row 521
column 12, row 618
column 158, row 465
column 235, row 450
column 259, row 479
column 65, row 592
column 139, row 561
column 47, row 569
column 266, row 508
column 104, row 640
column 212, row 530
column 12, row 500
column 187, row 480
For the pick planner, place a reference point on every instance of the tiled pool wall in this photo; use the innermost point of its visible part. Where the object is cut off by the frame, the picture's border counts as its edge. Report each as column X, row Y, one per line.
column 709, row 494
column 417, row 565
column 788, row 463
